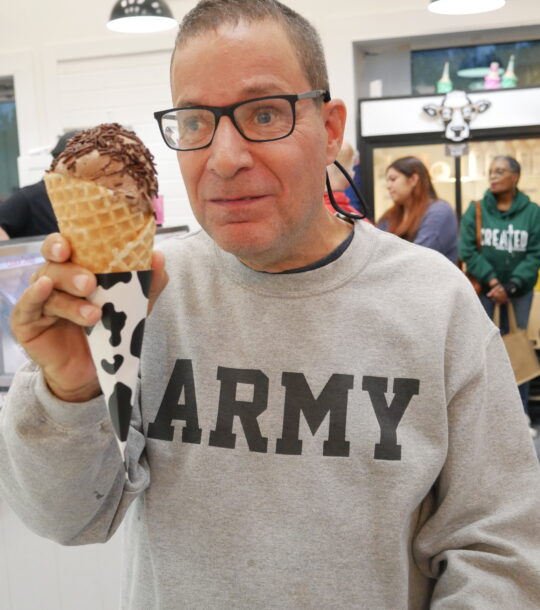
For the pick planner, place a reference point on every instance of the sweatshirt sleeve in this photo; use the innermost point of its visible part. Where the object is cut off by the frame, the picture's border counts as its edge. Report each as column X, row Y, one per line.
column 62, row 472
column 526, row 271
column 481, row 541
column 477, row 264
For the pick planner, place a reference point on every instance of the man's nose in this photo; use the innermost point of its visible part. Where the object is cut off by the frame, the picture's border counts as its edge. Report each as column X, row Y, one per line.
column 229, row 151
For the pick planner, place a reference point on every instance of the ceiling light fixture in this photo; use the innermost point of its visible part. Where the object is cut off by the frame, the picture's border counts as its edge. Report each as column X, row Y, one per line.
column 141, row 16
column 464, row 7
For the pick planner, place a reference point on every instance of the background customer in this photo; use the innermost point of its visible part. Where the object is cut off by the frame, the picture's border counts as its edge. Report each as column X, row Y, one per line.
column 28, row 211
column 418, row 215
column 507, row 265
column 338, row 182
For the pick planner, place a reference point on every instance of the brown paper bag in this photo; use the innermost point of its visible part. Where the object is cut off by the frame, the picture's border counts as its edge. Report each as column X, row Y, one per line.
column 520, row 349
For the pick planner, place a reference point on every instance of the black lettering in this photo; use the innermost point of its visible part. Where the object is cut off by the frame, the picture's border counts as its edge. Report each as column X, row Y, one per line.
column 246, row 411
column 389, row 416
column 299, row 398
column 161, row 428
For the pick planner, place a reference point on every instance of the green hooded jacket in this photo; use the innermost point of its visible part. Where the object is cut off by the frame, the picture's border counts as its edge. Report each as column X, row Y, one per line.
column 510, row 242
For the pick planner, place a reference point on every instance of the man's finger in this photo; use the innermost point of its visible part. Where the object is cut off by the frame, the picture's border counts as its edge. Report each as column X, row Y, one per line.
column 160, row 278
column 74, row 309
column 29, row 308
column 68, row 277
column 56, row 248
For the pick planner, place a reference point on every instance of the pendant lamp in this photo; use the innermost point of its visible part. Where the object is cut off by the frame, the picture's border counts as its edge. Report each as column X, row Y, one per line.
column 464, row 7
column 140, row 16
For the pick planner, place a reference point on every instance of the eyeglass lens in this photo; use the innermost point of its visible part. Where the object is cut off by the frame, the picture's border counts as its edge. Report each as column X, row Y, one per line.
column 259, row 120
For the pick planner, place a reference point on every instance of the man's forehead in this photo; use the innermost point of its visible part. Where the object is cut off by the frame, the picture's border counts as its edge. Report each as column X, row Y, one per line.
column 191, row 96
column 234, row 63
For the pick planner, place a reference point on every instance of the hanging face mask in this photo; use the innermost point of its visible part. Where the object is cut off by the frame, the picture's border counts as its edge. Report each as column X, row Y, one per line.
column 361, row 199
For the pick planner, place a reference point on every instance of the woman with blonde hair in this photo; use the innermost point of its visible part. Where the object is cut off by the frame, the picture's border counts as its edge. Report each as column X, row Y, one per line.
column 418, row 215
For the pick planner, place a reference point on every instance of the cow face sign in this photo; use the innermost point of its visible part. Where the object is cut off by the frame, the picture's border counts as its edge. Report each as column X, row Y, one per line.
column 457, row 111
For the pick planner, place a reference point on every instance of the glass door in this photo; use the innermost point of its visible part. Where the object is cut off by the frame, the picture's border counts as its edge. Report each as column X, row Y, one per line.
column 474, row 169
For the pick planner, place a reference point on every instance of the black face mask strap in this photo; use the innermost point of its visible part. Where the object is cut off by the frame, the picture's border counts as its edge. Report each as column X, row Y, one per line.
column 356, row 191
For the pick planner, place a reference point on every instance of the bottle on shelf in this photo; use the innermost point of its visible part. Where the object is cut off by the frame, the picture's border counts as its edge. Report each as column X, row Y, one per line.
column 444, row 84
column 492, row 80
column 509, row 79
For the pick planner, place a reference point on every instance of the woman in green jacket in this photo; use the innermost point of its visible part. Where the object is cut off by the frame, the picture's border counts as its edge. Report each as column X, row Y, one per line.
column 507, row 264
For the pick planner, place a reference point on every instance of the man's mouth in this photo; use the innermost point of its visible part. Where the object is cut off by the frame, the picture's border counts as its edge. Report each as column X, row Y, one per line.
column 236, row 199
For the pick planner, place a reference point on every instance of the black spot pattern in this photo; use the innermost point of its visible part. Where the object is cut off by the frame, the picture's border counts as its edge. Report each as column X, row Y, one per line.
column 137, row 339
column 112, row 368
column 120, row 409
column 145, row 279
column 114, row 321
column 108, row 280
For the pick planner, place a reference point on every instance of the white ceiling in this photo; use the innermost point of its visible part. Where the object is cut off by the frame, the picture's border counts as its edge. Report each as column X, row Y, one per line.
column 30, row 23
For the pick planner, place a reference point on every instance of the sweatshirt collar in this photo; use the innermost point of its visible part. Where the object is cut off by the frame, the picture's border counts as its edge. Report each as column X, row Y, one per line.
column 519, row 201
column 313, row 281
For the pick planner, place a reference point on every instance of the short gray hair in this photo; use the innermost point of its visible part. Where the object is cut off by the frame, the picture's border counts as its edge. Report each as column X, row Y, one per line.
column 514, row 165
column 210, row 14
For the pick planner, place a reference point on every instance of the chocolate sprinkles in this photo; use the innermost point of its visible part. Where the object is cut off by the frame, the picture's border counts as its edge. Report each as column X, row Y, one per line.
column 120, row 145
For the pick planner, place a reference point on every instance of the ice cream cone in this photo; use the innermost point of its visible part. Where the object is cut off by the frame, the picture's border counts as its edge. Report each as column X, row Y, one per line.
column 107, row 233
column 101, row 188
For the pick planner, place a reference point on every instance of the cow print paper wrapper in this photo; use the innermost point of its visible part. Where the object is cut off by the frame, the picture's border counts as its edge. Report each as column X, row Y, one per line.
column 116, row 342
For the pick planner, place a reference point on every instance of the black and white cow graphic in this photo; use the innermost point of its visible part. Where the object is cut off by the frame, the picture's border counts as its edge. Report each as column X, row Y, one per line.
column 457, row 111
column 116, row 341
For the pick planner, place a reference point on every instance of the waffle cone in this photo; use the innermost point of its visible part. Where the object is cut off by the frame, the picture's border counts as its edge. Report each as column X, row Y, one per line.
column 106, row 232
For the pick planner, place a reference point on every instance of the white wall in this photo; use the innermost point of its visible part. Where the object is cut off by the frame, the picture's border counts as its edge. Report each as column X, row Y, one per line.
column 42, row 42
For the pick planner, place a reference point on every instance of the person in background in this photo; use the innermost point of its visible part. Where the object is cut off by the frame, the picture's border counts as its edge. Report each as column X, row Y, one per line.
column 508, row 262
column 418, row 215
column 357, row 179
column 28, row 212
column 338, row 182
column 326, row 417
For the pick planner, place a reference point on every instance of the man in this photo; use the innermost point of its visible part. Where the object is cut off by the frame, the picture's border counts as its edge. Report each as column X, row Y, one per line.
column 28, row 211
column 285, row 454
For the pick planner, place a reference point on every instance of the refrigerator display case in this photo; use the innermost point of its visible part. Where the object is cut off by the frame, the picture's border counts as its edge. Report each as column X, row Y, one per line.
column 390, row 128
column 19, row 258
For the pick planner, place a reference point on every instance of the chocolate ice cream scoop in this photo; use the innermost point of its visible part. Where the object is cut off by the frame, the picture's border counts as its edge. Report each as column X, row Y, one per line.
column 114, row 157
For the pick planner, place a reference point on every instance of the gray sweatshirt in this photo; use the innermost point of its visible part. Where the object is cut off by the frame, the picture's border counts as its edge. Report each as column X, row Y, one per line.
column 345, row 437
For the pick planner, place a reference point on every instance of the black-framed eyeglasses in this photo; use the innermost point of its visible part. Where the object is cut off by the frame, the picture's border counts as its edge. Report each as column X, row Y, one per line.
column 261, row 119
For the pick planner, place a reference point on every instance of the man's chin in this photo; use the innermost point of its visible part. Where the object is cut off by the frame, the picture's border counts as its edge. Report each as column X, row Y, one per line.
column 243, row 239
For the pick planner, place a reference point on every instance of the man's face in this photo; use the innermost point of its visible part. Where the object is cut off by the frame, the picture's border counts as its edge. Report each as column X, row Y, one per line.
column 262, row 201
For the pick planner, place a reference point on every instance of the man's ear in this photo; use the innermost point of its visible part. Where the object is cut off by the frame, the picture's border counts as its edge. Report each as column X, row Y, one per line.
column 335, row 115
